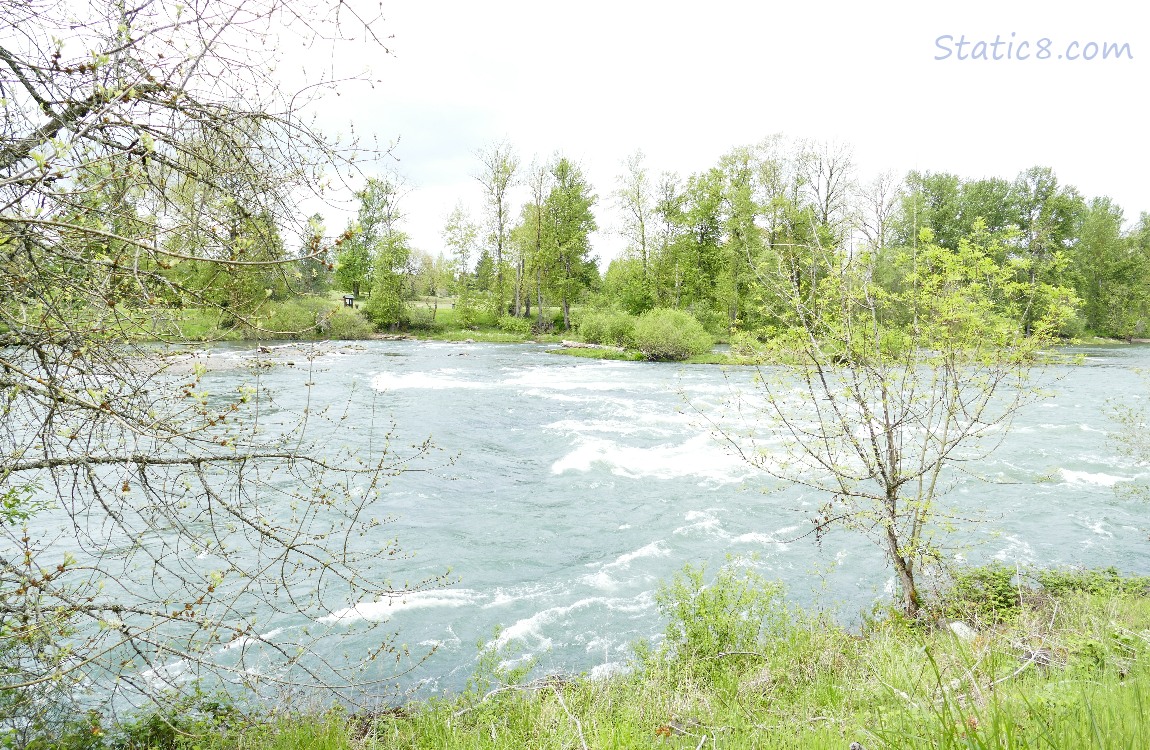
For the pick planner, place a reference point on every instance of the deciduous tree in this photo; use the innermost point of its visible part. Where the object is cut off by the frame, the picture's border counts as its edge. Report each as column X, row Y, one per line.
column 890, row 392
column 151, row 523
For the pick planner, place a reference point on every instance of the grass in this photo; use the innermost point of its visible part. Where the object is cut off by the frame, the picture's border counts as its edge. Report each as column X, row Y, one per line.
column 627, row 356
column 738, row 668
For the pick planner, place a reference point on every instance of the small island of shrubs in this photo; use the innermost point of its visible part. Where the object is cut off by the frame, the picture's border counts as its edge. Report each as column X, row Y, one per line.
column 659, row 335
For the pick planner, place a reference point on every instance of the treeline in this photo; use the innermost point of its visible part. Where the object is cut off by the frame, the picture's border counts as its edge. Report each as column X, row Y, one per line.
column 713, row 242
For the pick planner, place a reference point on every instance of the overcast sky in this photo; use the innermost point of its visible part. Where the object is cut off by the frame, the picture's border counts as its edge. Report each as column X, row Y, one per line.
column 685, row 82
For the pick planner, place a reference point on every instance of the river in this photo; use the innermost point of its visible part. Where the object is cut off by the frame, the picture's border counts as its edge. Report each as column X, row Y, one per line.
column 578, row 485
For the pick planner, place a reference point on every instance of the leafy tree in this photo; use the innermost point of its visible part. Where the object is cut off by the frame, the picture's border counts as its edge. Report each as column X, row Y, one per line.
column 461, row 237
column 378, row 218
column 891, row 410
column 389, row 280
column 569, row 223
column 1048, row 216
column 1111, row 273
column 635, row 197
column 497, row 177
column 353, row 263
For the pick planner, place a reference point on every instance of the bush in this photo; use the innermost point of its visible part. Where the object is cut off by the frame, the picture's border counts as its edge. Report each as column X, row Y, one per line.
column 515, row 325
column 732, row 614
column 986, row 594
column 607, row 327
column 349, row 325
column 1107, row 582
column 293, row 318
column 670, row 335
column 423, row 318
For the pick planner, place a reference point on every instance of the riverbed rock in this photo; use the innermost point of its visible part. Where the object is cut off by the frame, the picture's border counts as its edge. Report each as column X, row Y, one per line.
column 962, row 631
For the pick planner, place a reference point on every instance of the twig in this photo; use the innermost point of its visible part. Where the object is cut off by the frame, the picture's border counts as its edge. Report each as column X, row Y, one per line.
column 701, row 741
column 721, row 654
column 901, row 694
column 1033, row 655
column 482, row 700
column 574, row 718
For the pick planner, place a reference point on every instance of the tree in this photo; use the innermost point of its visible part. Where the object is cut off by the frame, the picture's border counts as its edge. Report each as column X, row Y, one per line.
column 391, row 270
column 569, row 225
column 377, row 220
column 149, row 518
column 532, row 236
column 497, row 177
column 460, row 236
column 1111, row 273
column 314, row 267
column 890, row 411
column 635, row 197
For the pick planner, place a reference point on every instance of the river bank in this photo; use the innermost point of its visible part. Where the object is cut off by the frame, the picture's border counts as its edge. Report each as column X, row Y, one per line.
column 1048, row 659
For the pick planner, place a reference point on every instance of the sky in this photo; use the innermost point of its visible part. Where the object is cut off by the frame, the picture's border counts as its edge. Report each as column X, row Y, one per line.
column 686, row 82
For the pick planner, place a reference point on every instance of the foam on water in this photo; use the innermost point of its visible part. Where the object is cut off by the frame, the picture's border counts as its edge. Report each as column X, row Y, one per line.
column 605, row 579
column 530, row 629
column 597, row 425
column 698, row 456
column 382, row 610
column 1017, row 551
column 1087, row 478
column 505, row 596
column 435, row 380
column 702, row 520
column 657, row 548
column 579, row 378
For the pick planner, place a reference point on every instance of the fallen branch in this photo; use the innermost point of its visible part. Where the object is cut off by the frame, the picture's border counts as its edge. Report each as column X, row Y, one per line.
column 574, row 718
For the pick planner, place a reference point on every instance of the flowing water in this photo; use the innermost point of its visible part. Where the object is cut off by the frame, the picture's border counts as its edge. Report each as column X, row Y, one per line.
column 579, row 485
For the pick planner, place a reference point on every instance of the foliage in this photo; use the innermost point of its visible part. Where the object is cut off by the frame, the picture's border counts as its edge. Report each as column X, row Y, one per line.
column 500, row 165
column 348, row 325
column 372, row 235
column 708, row 622
column 567, row 223
column 389, row 291
column 521, row 326
column 153, row 165
column 664, row 335
column 988, row 594
column 607, row 327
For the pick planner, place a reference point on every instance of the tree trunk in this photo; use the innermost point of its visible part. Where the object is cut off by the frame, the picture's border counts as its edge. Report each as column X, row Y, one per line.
column 905, row 571
column 519, row 288
column 566, row 301
column 539, row 295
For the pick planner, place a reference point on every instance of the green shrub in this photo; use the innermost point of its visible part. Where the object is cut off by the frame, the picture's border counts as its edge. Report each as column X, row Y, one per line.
column 1107, row 581
column 670, row 335
column 349, row 325
column 607, row 327
column 422, row 318
column 709, row 622
column 515, row 325
column 293, row 318
column 987, row 594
